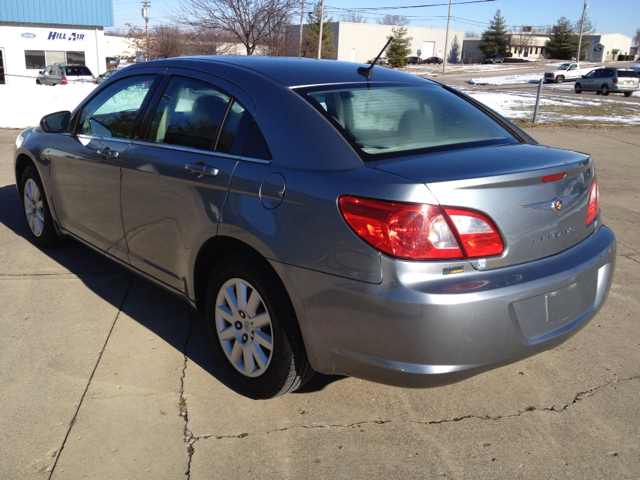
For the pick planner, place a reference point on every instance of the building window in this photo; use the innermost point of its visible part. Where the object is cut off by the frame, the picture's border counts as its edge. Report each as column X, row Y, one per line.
column 39, row 59
column 34, row 59
column 75, row 58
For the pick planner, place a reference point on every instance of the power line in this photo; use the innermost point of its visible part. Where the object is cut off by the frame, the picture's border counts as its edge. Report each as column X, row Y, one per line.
column 412, row 6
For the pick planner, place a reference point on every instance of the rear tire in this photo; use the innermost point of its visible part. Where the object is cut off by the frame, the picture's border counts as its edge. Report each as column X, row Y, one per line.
column 254, row 329
column 578, row 88
column 604, row 90
column 36, row 210
column 627, row 94
column 560, row 79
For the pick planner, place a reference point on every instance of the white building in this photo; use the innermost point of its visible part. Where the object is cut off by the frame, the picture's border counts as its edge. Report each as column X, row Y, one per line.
column 359, row 42
column 35, row 33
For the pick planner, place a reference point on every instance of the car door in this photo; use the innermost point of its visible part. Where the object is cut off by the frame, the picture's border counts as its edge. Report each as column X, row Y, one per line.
column 176, row 178
column 85, row 164
column 587, row 82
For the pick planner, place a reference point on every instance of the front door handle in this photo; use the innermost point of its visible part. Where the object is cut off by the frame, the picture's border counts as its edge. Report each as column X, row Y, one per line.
column 108, row 152
column 202, row 169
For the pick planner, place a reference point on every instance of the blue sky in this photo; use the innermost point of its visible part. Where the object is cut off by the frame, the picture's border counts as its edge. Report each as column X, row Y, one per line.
column 624, row 18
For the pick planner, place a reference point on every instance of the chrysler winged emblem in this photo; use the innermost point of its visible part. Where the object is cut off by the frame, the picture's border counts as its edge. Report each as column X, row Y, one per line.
column 555, row 204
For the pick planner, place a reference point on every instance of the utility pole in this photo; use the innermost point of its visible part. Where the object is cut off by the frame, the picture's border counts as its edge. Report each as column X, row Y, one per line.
column 301, row 23
column 586, row 5
column 146, row 4
column 446, row 40
column 320, row 32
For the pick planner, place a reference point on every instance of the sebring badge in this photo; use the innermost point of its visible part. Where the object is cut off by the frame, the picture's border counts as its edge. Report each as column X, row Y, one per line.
column 555, row 204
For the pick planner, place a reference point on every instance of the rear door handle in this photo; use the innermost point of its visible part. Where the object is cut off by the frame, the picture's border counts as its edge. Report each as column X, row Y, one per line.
column 108, row 152
column 202, row 169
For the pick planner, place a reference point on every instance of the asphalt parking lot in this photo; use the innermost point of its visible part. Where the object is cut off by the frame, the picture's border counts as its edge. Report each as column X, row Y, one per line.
column 103, row 375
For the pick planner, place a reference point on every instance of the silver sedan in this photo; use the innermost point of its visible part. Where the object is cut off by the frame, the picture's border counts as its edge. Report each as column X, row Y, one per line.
column 326, row 216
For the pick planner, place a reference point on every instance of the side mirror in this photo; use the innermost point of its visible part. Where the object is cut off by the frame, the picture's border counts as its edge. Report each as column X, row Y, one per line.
column 56, row 122
column 40, row 72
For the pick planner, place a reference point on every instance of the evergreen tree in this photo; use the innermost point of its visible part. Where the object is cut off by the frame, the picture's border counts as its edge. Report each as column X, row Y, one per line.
column 398, row 50
column 493, row 38
column 312, row 30
column 563, row 44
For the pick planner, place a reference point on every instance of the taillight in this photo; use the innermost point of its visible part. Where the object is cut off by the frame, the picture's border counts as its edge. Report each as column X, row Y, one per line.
column 64, row 80
column 419, row 231
column 615, row 80
column 94, row 79
column 594, row 201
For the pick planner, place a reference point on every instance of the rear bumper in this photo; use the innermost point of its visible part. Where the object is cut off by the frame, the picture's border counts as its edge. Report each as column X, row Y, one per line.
column 419, row 330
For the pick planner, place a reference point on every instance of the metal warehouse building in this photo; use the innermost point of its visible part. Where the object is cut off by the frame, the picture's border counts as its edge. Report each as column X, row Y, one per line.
column 37, row 33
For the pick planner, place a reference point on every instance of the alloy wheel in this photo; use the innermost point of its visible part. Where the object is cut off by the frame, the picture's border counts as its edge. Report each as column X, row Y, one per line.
column 34, row 207
column 244, row 327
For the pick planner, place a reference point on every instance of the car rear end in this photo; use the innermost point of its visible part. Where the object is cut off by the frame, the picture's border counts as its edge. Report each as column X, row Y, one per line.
column 491, row 252
column 625, row 81
column 74, row 74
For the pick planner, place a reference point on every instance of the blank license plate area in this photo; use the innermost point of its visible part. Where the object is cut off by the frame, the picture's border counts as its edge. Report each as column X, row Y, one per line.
column 541, row 314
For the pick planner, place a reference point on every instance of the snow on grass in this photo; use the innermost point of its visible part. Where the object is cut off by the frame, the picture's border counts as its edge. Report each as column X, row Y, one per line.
column 507, row 80
column 24, row 105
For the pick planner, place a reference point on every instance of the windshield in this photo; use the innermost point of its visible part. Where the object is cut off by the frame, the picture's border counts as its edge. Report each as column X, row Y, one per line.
column 564, row 66
column 384, row 120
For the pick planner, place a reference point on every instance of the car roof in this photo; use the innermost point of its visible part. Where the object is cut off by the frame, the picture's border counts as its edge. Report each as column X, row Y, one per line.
column 292, row 71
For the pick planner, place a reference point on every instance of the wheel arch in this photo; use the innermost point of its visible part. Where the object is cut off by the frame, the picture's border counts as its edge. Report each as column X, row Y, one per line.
column 22, row 161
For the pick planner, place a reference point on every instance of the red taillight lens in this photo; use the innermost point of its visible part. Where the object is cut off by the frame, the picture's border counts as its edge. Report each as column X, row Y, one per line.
column 478, row 235
column 418, row 231
column 94, row 80
column 64, row 80
column 615, row 80
column 594, row 201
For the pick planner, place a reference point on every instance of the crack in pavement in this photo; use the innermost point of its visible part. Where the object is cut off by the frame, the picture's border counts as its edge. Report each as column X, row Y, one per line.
column 84, row 393
column 189, row 438
column 623, row 141
column 553, row 408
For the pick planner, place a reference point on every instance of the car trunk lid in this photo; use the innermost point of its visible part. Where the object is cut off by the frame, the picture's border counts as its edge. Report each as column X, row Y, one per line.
column 537, row 196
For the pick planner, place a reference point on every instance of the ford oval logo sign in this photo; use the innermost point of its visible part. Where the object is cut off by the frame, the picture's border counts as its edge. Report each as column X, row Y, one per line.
column 28, row 35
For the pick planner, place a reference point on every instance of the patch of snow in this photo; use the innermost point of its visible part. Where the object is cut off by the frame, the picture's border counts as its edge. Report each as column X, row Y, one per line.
column 24, row 105
column 507, row 80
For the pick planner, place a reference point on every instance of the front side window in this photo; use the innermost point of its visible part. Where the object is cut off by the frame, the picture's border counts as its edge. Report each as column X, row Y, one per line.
column 112, row 113
column 189, row 114
column 590, row 74
column 385, row 120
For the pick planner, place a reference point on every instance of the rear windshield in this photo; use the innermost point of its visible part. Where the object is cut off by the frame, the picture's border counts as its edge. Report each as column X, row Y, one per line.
column 386, row 120
column 77, row 71
column 627, row 73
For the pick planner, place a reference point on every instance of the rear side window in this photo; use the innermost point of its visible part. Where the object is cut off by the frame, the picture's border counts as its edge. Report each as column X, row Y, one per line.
column 77, row 71
column 112, row 113
column 188, row 114
column 385, row 120
column 627, row 73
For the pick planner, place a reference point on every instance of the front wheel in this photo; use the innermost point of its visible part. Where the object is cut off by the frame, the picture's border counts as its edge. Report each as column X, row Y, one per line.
column 560, row 79
column 604, row 90
column 254, row 330
column 36, row 210
column 578, row 88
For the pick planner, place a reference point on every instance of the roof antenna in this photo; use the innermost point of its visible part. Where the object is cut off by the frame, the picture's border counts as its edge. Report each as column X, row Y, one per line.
column 366, row 71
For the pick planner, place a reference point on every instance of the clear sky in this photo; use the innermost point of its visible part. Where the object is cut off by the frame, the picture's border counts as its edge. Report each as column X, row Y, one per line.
column 608, row 16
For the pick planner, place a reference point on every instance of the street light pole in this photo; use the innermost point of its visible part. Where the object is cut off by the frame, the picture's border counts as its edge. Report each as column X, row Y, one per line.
column 320, row 32
column 301, row 24
column 586, row 5
column 446, row 40
column 146, row 4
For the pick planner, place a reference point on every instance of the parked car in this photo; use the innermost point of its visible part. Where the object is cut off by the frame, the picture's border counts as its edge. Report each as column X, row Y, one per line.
column 65, row 74
column 381, row 61
column 436, row 60
column 414, row 60
column 609, row 80
column 103, row 76
column 495, row 58
column 394, row 230
column 114, row 61
column 567, row 71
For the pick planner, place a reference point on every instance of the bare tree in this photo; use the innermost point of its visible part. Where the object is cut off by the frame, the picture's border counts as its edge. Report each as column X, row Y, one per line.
column 169, row 41
column 353, row 16
column 116, row 32
column 472, row 35
column 137, row 40
column 209, row 41
column 397, row 20
column 279, row 43
column 249, row 22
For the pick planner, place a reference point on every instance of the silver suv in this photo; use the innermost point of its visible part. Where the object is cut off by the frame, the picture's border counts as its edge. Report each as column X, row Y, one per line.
column 605, row 80
column 64, row 74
